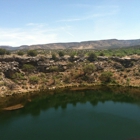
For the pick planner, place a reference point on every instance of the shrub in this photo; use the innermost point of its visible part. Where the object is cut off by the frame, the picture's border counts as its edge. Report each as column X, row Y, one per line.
column 11, row 86
column 101, row 54
column 8, row 52
column 28, row 67
column 33, row 79
column 127, row 81
column 4, row 51
column 89, row 68
column 67, row 79
column 72, row 55
column 106, row 77
column 32, row 53
column 20, row 53
column 19, row 76
column 92, row 57
column 54, row 68
column 70, row 65
column 54, row 56
column 61, row 54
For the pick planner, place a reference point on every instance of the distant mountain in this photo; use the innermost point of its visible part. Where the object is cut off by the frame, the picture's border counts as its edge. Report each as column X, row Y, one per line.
column 101, row 44
column 8, row 47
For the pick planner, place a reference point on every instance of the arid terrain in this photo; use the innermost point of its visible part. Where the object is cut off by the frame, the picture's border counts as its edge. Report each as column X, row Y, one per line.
column 97, row 44
column 25, row 73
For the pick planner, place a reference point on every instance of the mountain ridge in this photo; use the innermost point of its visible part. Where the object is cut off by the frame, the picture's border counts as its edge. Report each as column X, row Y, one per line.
column 96, row 44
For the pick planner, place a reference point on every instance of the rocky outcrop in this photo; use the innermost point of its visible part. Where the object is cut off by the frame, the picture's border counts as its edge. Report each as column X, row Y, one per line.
column 9, row 68
column 9, row 65
column 23, row 74
column 126, row 61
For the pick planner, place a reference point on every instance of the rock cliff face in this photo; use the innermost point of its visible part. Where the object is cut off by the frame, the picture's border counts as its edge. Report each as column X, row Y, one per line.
column 101, row 44
column 15, row 63
column 23, row 74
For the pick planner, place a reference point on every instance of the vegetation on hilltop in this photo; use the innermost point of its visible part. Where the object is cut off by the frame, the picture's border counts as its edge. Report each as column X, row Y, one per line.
column 4, row 52
column 119, row 52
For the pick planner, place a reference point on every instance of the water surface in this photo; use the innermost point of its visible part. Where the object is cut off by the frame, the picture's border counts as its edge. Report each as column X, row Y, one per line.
column 74, row 115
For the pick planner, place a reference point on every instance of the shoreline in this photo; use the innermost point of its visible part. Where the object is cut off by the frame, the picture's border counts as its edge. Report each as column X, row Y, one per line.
column 21, row 75
column 21, row 99
column 76, row 86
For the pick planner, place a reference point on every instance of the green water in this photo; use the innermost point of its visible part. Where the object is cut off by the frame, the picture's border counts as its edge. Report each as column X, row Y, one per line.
column 74, row 115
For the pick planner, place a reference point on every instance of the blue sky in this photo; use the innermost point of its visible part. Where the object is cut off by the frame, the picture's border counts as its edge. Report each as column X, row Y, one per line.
column 27, row 22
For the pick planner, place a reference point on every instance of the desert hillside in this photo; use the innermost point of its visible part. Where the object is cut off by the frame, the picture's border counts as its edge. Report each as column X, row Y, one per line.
column 31, row 71
column 100, row 44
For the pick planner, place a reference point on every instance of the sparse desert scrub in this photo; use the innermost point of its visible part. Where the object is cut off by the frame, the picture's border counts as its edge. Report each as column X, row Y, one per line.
column 106, row 77
column 34, row 79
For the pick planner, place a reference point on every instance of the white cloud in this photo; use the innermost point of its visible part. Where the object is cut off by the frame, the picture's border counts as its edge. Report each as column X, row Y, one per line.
column 34, row 33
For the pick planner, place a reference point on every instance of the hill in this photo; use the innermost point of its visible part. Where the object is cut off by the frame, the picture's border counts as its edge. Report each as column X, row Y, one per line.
column 100, row 44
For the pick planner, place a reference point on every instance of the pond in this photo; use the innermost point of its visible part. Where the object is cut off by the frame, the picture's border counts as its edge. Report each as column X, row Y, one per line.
column 91, row 114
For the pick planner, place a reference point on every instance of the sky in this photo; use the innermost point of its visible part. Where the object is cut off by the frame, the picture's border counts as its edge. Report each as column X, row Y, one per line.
column 28, row 22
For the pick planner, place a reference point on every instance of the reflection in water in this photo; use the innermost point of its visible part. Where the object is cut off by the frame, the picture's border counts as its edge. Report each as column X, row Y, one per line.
column 100, row 114
column 62, row 98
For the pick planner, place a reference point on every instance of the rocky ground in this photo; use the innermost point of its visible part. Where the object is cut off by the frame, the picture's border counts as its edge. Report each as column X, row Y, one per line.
column 21, row 74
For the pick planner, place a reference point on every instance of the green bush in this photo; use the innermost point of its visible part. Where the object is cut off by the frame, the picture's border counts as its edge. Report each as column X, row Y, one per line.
column 106, row 77
column 72, row 56
column 67, row 79
column 20, row 53
column 92, row 57
column 70, row 64
column 28, row 68
column 19, row 76
column 101, row 54
column 54, row 68
column 32, row 53
column 8, row 52
column 61, row 54
column 54, row 56
column 4, row 51
column 33, row 79
column 89, row 68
